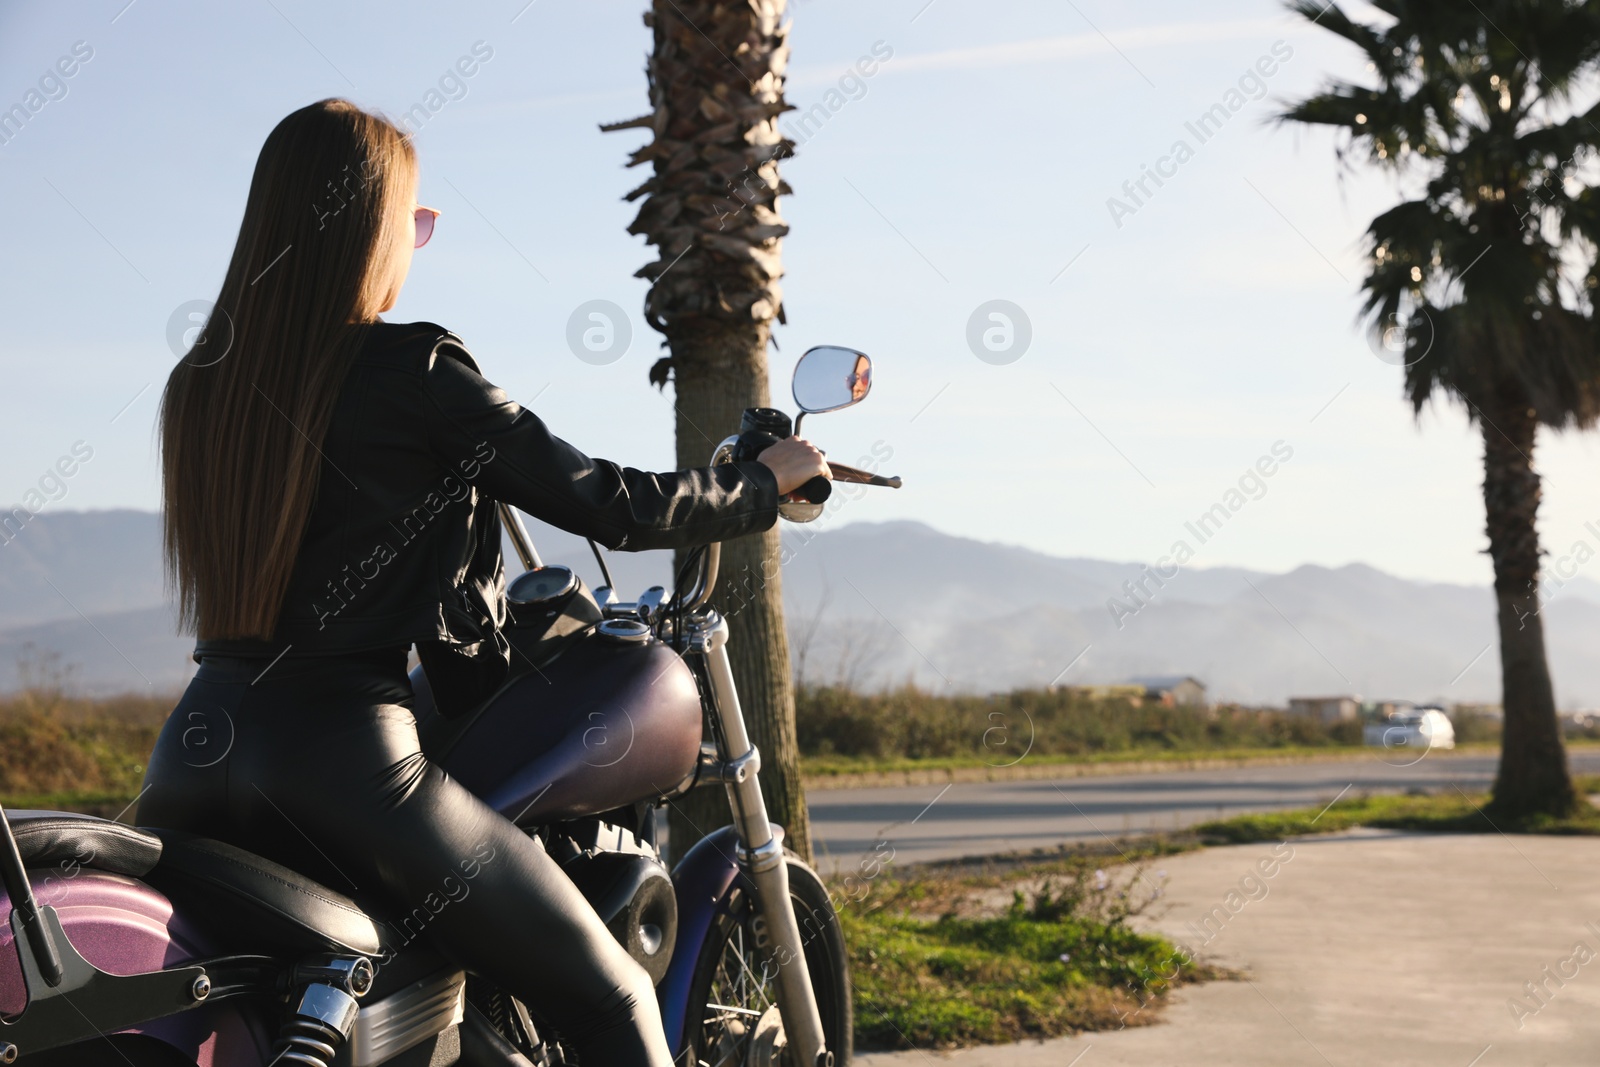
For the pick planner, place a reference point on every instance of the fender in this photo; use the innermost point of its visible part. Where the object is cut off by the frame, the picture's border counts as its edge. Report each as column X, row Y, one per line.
column 702, row 880
column 123, row 926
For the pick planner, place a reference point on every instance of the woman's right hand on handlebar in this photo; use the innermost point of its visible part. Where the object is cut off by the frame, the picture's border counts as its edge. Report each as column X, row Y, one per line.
column 795, row 461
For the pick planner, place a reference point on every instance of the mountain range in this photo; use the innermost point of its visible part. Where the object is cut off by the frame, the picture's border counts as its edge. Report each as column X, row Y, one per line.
column 873, row 604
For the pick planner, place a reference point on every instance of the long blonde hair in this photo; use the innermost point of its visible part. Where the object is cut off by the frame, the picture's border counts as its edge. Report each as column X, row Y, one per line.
column 245, row 411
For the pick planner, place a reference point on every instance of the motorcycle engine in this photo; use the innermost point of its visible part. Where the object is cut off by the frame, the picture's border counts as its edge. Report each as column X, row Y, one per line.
column 632, row 892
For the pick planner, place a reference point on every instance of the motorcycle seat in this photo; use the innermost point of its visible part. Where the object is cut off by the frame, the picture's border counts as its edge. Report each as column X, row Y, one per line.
column 250, row 904
column 67, row 840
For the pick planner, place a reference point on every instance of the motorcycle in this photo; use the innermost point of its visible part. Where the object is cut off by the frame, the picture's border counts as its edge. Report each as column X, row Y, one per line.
column 149, row 948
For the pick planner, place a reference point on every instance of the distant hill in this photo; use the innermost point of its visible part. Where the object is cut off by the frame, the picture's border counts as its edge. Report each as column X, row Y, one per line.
column 878, row 603
column 987, row 616
column 64, row 562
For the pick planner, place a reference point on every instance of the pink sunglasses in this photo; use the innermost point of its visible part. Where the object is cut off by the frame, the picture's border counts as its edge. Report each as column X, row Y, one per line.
column 425, row 217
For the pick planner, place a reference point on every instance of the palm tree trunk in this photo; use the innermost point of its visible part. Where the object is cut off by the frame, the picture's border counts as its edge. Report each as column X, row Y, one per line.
column 710, row 207
column 1533, row 777
column 716, row 379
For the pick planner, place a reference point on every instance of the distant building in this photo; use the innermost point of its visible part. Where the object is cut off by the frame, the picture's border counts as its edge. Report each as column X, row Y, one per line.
column 1133, row 694
column 1388, row 709
column 1173, row 690
column 1326, row 709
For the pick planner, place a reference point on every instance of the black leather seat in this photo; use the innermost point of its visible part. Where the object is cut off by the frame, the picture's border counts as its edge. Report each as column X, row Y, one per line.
column 251, row 904
column 63, row 840
column 248, row 904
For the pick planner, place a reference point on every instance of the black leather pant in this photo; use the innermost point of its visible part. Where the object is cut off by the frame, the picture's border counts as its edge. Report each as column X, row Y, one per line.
column 316, row 764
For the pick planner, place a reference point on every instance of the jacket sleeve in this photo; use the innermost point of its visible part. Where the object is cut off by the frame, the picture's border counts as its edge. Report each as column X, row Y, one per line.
column 507, row 452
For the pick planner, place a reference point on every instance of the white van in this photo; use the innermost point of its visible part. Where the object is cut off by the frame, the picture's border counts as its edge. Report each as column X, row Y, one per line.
column 1417, row 728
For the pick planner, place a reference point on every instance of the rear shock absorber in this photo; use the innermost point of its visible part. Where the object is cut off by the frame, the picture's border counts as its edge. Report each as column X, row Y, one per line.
column 317, row 1030
column 322, row 1021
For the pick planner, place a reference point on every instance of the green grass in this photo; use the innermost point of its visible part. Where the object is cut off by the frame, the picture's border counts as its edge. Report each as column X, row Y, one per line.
column 831, row 766
column 941, row 959
column 105, row 805
column 1450, row 812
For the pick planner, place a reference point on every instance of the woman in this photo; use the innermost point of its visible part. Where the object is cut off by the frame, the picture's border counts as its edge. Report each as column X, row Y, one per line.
column 330, row 482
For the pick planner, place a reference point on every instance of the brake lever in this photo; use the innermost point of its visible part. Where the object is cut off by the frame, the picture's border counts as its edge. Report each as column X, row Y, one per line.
column 857, row 476
column 819, row 489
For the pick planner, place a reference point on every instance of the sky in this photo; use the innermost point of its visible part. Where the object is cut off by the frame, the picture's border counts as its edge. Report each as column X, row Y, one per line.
column 1173, row 338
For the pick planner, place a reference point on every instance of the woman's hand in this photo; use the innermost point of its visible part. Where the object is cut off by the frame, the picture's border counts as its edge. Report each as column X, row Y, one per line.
column 795, row 461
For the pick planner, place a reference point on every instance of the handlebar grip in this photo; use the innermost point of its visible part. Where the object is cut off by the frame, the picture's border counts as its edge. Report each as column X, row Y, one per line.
column 816, row 491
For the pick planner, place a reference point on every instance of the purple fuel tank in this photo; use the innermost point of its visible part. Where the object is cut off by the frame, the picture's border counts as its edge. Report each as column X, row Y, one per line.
column 608, row 723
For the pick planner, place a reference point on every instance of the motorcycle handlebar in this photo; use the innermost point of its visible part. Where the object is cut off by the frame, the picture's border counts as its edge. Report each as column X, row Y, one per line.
column 816, row 491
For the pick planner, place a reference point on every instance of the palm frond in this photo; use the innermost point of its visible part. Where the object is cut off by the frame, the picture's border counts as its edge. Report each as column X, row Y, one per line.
column 1492, row 270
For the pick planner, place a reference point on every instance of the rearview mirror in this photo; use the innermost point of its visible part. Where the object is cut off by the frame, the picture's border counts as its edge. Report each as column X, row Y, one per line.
column 829, row 377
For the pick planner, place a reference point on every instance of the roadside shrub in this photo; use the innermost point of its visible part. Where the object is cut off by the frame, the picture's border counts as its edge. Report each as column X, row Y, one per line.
column 52, row 744
column 1470, row 726
column 1060, row 959
column 909, row 723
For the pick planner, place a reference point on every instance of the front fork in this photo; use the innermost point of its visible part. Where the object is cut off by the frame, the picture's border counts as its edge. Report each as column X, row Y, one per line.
column 761, row 849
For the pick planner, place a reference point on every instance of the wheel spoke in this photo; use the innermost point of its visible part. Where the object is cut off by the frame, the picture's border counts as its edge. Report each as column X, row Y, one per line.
column 739, row 998
column 748, row 974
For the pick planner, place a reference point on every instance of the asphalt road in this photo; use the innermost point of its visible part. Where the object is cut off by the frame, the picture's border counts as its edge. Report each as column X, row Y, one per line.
column 922, row 823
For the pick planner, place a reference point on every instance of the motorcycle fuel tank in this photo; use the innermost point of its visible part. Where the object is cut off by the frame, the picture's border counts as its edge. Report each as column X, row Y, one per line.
column 614, row 720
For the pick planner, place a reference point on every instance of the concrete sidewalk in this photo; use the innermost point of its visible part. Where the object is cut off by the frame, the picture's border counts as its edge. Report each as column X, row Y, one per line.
column 1363, row 948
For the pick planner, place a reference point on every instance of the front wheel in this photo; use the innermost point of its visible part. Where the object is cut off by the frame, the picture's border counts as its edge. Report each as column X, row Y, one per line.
column 735, row 978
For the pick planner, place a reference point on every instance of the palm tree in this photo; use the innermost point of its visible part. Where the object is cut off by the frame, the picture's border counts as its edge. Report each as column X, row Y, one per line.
column 716, row 76
column 1487, row 278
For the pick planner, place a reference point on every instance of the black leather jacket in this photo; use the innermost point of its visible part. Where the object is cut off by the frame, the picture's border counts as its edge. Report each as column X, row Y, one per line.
column 403, row 543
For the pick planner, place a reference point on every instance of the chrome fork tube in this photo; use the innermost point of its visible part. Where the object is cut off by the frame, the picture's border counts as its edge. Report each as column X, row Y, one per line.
column 761, row 855
column 519, row 538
